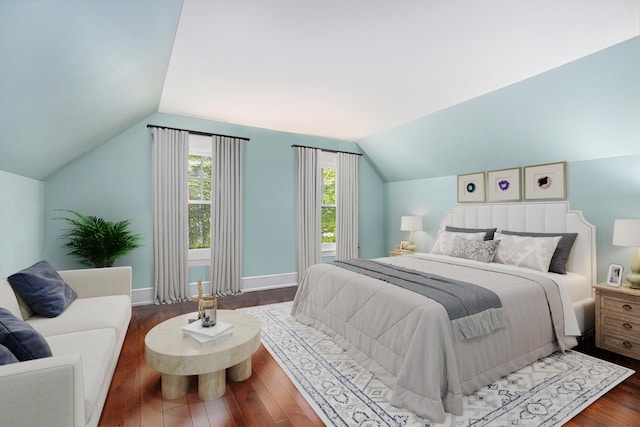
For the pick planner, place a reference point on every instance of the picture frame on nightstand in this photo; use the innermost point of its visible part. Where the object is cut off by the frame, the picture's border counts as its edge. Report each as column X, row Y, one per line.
column 614, row 277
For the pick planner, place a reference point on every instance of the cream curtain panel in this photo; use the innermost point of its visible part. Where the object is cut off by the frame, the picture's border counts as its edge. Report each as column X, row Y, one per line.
column 170, row 214
column 308, row 201
column 226, row 216
column 347, row 209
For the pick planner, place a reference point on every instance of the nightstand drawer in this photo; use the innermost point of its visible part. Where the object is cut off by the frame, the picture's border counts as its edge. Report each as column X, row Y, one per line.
column 627, row 347
column 625, row 326
column 628, row 305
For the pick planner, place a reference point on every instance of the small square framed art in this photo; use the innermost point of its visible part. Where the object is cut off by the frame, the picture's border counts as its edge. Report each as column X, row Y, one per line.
column 471, row 188
column 545, row 182
column 503, row 185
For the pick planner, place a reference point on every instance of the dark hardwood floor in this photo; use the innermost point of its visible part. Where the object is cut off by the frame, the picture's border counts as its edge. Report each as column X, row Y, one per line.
column 268, row 397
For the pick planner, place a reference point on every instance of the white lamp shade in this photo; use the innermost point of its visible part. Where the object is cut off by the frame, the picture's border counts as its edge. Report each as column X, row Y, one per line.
column 411, row 223
column 626, row 232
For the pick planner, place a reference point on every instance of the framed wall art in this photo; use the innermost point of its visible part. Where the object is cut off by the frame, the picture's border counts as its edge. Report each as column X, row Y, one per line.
column 471, row 187
column 545, row 182
column 503, row 185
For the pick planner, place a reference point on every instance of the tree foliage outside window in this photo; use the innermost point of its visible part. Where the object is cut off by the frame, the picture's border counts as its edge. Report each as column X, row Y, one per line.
column 328, row 209
column 199, row 202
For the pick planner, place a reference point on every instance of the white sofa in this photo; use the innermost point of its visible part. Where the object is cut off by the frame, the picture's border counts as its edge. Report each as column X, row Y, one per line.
column 70, row 388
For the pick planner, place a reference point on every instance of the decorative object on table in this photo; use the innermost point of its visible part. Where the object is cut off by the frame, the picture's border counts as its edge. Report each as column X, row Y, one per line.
column 197, row 299
column 96, row 242
column 545, row 182
column 404, row 244
column 207, row 312
column 626, row 232
column 614, row 277
column 471, row 187
column 207, row 335
column 503, row 185
column 410, row 223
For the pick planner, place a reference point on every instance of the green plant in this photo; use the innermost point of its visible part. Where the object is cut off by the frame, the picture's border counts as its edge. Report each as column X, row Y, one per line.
column 96, row 242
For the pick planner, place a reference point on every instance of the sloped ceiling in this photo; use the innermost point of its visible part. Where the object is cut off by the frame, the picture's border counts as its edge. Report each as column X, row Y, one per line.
column 75, row 73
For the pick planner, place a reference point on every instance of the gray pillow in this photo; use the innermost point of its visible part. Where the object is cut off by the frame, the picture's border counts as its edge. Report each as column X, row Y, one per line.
column 6, row 357
column 42, row 288
column 24, row 342
column 488, row 231
column 563, row 250
column 483, row 251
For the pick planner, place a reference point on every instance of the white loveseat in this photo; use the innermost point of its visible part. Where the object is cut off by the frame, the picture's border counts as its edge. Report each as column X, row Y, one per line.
column 70, row 388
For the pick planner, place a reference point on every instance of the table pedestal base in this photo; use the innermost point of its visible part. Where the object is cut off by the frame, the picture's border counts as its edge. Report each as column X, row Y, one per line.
column 174, row 386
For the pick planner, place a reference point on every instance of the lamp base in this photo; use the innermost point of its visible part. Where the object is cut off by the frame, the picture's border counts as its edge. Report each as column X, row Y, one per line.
column 634, row 280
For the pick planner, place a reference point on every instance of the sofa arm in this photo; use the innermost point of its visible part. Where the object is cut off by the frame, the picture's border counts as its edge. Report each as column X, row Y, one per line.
column 42, row 392
column 98, row 282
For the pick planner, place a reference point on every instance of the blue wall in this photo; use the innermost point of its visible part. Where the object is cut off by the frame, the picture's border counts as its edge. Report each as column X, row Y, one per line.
column 21, row 222
column 586, row 113
column 114, row 182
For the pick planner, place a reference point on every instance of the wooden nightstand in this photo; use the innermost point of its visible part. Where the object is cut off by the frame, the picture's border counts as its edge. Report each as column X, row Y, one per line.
column 618, row 319
column 398, row 253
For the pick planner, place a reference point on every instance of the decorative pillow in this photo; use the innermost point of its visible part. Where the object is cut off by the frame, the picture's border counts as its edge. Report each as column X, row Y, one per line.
column 529, row 252
column 488, row 231
column 42, row 288
column 6, row 357
column 21, row 339
column 483, row 251
column 445, row 240
column 561, row 255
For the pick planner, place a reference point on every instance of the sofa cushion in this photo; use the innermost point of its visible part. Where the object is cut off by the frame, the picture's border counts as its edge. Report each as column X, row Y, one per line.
column 43, row 289
column 84, row 314
column 20, row 338
column 8, row 299
column 97, row 350
column 6, row 357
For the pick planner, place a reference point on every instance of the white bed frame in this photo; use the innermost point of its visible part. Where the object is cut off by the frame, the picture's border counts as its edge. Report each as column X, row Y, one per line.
column 553, row 217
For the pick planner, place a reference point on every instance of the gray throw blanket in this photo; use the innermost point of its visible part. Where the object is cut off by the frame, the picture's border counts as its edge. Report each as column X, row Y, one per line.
column 474, row 311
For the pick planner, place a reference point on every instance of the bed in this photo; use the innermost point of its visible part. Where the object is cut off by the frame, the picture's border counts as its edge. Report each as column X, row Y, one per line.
column 411, row 342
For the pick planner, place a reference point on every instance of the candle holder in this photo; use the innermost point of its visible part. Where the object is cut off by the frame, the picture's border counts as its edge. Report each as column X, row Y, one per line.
column 208, row 308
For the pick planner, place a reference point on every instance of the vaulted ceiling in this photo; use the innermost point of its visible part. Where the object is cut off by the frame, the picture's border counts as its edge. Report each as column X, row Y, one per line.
column 76, row 73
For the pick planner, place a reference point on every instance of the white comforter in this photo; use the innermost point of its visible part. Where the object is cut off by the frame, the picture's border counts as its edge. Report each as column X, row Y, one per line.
column 405, row 339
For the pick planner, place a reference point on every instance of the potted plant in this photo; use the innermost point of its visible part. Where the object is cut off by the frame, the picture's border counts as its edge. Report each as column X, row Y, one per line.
column 96, row 242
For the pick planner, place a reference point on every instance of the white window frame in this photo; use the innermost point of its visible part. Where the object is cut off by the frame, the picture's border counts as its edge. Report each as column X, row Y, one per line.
column 328, row 160
column 200, row 145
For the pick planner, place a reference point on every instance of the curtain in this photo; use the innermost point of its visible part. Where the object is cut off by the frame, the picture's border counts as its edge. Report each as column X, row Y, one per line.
column 308, row 201
column 226, row 216
column 347, row 209
column 170, row 214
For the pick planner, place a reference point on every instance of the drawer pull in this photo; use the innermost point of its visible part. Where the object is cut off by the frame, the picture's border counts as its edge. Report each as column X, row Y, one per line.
column 627, row 326
column 627, row 344
column 627, row 307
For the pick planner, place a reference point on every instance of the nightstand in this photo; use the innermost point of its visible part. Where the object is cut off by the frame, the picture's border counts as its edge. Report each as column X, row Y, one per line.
column 618, row 319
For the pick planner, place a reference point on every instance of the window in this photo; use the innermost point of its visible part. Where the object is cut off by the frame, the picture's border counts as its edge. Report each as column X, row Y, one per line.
column 328, row 207
column 200, row 153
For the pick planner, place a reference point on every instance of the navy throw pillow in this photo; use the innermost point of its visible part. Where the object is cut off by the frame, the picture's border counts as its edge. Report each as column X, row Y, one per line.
column 24, row 342
column 6, row 357
column 42, row 288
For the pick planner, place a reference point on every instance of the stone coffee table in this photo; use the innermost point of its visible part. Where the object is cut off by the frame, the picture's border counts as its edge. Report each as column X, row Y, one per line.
column 177, row 356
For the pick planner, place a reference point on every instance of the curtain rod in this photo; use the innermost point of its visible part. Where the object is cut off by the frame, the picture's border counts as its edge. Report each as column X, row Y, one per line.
column 196, row 132
column 326, row 149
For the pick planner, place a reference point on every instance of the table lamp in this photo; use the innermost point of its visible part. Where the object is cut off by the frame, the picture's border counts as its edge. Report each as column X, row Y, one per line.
column 411, row 224
column 626, row 232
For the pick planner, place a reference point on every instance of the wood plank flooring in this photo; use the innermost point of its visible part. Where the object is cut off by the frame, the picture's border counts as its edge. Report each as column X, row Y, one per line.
column 268, row 397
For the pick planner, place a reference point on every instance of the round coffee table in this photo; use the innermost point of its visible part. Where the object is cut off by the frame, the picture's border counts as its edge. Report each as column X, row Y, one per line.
column 167, row 350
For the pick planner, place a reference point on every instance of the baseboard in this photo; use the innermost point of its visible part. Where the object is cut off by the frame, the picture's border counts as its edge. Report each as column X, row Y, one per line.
column 144, row 296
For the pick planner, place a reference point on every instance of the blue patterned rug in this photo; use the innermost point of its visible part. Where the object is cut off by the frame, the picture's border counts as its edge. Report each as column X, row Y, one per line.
column 546, row 393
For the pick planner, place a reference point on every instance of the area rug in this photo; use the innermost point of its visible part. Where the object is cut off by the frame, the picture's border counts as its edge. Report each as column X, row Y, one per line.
column 548, row 392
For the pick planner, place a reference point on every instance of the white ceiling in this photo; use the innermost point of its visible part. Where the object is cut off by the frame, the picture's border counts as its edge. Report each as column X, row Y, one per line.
column 348, row 69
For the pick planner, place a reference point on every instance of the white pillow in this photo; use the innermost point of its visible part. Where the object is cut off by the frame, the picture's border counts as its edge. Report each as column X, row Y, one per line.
column 445, row 240
column 483, row 251
column 524, row 251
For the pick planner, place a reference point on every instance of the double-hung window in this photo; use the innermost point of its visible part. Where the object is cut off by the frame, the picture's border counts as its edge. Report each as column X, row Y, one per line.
column 200, row 158
column 328, row 162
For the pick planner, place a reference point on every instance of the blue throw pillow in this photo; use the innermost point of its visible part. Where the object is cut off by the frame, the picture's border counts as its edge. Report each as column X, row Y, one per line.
column 21, row 339
column 6, row 357
column 42, row 288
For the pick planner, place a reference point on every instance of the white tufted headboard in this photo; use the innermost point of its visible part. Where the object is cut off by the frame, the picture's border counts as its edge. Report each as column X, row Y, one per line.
column 534, row 217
